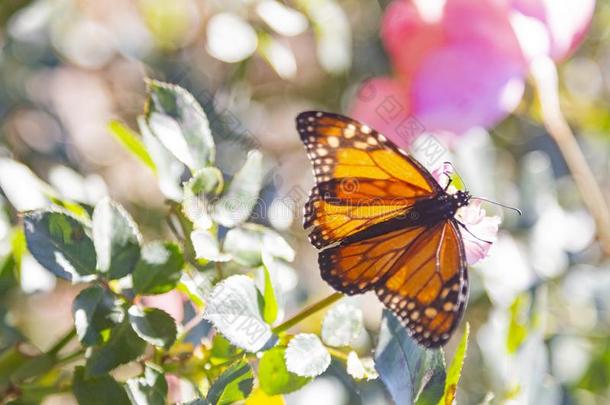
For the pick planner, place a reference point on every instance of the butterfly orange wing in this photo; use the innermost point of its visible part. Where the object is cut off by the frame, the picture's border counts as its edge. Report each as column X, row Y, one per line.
column 428, row 288
column 417, row 272
column 365, row 188
column 361, row 178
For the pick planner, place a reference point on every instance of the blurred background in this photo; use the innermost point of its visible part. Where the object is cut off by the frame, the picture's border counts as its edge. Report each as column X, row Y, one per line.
column 540, row 302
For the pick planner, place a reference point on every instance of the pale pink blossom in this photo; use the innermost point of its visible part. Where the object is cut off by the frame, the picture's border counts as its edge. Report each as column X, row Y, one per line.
column 459, row 64
column 479, row 231
column 565, row 22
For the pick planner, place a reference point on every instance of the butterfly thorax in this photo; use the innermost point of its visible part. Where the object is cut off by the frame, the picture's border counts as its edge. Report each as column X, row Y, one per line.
column 438, row 208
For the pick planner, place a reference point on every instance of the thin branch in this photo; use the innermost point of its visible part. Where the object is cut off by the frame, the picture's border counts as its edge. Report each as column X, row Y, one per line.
column 61, row 343
column 306, row 312
column 544, row 72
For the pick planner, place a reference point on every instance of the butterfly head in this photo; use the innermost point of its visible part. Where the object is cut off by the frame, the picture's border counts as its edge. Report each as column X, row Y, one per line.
column 462, row 198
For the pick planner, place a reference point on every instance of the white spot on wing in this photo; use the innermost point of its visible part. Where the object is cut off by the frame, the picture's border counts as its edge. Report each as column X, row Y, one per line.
column 333, row 141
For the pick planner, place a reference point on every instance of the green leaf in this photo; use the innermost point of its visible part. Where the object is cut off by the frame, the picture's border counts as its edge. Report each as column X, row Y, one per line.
column 517, row 327
column 197, row 286
column 131, row 142
column 342, row 325
column 258, row 397
column 279, row 271
column 247, row 243
column 179, row 123
column 222, row 350
column 234, row 384
column 123, row 346
column 306, row 355
column 236, row 205
column 206, row 246
column 59, row 242
column 270, row 308
column 198, row 401
column 234, row 310
column 244, row 244
column 359, row 368
column 169, row 169
column 159, row 268
column 433, row 380
column 455, row 369
column 207, row 181
column 23, row 189
column 405, row 367
column 153, row 325
column 273, row 376
column 116, row 239
column 149, row 389
column 75, row 209
column 102, row 390
column 8, row 277
column 205, row 184
column 95, row 310
column 32, row 367
column 10, row 269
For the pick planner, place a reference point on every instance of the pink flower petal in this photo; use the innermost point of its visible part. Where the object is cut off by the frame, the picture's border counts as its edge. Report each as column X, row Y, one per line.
column 481, row 230
column 382, row 104
column 174, row 393
column 464, row 85
column 567, row 22
column 407, row 37
column 462, row 70
column 441, row 173
column 488, row 20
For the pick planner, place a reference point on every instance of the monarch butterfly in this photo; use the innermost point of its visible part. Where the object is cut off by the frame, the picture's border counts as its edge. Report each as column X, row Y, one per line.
column 385, row 224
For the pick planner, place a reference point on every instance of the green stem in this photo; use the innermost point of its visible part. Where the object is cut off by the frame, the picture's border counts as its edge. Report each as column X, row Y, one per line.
column 187, row 228
column 53, row 351
column 117, row 293
column 189, row 326
column 337, row 354
column 306, row 312
column 70, row 357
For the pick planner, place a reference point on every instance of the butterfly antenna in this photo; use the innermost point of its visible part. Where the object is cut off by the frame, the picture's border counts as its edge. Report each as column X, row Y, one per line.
column 517, row 210
column 473, row 235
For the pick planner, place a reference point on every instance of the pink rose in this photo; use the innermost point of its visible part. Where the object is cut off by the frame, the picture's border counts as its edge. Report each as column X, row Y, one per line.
column 462, row 63
column 565, row 22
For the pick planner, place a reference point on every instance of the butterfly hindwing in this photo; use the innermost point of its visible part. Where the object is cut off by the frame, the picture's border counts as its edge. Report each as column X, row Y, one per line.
column 356, row 266
column 362, row 179
column 417, row 272
column 428, row 288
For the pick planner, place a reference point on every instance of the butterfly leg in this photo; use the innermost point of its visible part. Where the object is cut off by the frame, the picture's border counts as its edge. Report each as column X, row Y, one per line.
column 448, row 182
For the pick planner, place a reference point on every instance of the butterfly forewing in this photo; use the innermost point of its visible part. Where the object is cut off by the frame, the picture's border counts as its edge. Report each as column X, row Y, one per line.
column 362, row 179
